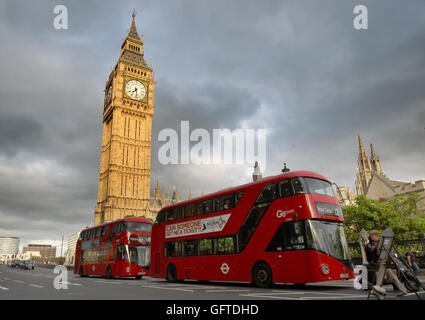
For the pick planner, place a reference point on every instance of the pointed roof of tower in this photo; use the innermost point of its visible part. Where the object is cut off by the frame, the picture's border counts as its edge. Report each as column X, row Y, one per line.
column 361, row 147
column 157, row 193
column 372, row 152
column 133, row 30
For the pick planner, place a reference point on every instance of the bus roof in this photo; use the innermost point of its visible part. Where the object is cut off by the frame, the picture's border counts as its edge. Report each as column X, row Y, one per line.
column 264, row 181
column 129, row 219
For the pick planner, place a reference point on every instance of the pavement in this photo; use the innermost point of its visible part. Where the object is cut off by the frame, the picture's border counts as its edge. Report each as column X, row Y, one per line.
column 39, row 284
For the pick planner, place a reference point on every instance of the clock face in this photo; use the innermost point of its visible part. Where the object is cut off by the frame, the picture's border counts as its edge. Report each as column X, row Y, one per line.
column 135, row 89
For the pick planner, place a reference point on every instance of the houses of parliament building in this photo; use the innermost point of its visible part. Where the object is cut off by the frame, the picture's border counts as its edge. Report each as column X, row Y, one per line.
column 374, row 184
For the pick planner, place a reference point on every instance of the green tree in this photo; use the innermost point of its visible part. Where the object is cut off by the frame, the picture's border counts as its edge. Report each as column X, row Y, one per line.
column 401, row 214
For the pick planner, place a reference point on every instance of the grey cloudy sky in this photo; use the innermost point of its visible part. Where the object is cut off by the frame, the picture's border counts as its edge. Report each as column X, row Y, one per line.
column 295, row 68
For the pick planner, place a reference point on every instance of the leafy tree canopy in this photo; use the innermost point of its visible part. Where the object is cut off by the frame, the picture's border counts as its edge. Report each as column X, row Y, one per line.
column 401, row 214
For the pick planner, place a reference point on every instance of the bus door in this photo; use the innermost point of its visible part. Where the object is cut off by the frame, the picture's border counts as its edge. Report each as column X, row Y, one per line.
column 120, row 258
column 287, row 250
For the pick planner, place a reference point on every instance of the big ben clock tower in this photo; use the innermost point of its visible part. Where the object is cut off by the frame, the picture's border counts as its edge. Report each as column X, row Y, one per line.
column 124, row 179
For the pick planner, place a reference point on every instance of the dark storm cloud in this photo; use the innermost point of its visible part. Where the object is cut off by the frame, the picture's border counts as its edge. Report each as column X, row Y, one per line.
column 297, row 69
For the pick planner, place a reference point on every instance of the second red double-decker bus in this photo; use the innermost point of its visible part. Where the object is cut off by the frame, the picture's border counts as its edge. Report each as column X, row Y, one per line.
column 119, row 248
column 281, row 229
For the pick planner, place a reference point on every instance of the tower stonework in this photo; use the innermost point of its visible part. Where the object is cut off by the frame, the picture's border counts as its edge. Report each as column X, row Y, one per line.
column 124, row 179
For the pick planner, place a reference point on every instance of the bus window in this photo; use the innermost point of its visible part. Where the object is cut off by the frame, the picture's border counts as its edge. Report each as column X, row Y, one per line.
column 190, row 248
column 228, row 202
column 238, row 196
column 286, row 189
column 317, row 186
column 169, row 215
column 137, row 226
column 160, row 218
column 268, row 194
column 190, row 211
column 173, row 249
column 205, row 247
column 174, row 214
column 250, row 224
column 224, row 245
column 198, row 208
column 218, row 204
column 206, row 206
column 289, row 236
column 299, row 186
column 98, row 232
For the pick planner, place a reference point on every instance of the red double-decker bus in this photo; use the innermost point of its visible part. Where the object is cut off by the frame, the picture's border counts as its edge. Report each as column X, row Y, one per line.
column 119, row 248
column 281, row 229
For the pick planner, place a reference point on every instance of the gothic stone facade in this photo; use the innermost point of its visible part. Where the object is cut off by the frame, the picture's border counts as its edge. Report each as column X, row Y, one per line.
column 374, row 184
column 124, row 181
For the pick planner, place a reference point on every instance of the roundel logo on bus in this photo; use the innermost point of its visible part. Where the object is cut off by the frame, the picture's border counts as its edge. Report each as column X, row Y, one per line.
column 284, row 213
column 225, row 268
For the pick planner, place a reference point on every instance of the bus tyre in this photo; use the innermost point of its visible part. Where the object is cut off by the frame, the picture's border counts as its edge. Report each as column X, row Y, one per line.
column 262, row 276
column 108, row 272
column 171, row 275
column 138, row 277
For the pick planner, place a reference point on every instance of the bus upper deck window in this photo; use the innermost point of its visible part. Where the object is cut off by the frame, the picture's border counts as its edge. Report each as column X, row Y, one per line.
column 299, row 186
column 228, row 202
column 206, row 206
column 238, row 196
column 268, row 194
column 286, row 189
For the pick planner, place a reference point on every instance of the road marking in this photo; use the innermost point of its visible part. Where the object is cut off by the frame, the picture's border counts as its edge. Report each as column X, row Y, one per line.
column 165, row 288
column 18, row 281
column 335, row 297
column 228, row 290
column 72, row 284
column 36, row 286
column 108, row 282
column 285, row 292
column 6, row 279
column 252, row 295
column 3, row 288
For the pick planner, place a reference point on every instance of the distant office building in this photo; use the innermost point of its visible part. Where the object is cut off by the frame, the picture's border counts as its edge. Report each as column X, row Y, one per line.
column 9, row 246
column 70, row 253
column 46, row 250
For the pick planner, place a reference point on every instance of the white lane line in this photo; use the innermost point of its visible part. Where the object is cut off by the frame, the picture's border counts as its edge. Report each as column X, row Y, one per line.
column 72, row 284
column 18, row 281
column 228, row 290
column 3, row 288
column 353, row 296
column 6, row 279
column 36, row 286
column 108, row 282
column 268, row 297
column 166, row 288
column 285, row 292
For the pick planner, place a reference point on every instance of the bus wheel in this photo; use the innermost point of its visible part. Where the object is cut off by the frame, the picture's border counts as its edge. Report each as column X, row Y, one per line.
column 171, row 275
column 262, row 275
column 138, row 277
column 108, row 272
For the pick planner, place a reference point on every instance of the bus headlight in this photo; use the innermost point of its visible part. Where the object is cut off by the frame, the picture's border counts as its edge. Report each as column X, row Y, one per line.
column 325, row 269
